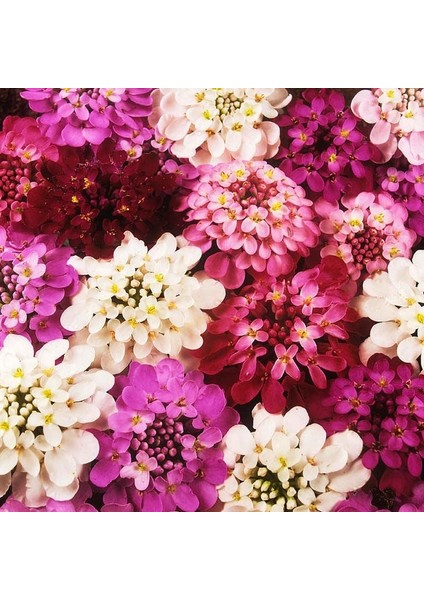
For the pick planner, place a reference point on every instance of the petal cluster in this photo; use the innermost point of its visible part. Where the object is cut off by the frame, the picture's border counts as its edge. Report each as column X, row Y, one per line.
column 208, row 126
column 287, row 464
column 142, row 303
column 44, row 405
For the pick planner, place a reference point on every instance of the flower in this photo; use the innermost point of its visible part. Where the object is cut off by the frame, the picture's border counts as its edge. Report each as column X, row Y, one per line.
column 383, row 402
column 395, row 301
column 288, row 465
column 128, row 314
column 252, row 218
column 77, row 116
column 36, row 284
column 44, row 407
column 397, row 116
column 22, row 146
column 275, row 330
column 157, row 454
column 323, row 147
column 366, row 232
column 93, row 196
column 209, row 126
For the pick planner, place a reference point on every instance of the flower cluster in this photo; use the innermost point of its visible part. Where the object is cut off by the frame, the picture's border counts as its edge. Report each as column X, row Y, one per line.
column 258, row 219
column 22, row 145
column 209, row 126
column 384, row 402
column 395, row 301
column 225, row 253
column 366, row 232
column 142, row 303
column 164, row 449
column 77, row 116
column 43, row 406
column 93, row 196
column 36, row 284
column 397, row 116
column 285, row 464
column 281, row 329
column 323, row 147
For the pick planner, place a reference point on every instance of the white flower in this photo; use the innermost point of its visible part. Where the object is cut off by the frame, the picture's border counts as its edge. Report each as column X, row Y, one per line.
column 395, row 300
column 157, row 309
column 42, row 449
column 209, row 126
column 286, row 464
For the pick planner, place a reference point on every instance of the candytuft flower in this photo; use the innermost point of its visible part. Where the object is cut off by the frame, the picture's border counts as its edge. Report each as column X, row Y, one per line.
column 142, row 302
column 209, row 126
column 44, row 405
column 288, row 465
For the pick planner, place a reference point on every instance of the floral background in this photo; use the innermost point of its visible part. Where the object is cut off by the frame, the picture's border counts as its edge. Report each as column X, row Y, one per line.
column 211, row 299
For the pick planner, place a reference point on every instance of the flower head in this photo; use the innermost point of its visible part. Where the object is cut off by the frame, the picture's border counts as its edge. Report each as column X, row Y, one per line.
column 209, row 126
column 44, row 405
column 288, row 465
column 142, row 301
column 252, row 218
column 157, row 449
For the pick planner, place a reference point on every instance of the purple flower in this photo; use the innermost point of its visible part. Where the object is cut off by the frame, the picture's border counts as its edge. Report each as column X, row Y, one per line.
column 163, row 452
column 36, row 284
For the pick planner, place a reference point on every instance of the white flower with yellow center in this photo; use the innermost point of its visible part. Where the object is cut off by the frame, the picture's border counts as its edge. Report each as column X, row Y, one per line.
column 214, row 125
column 288, row 465
column 43, row 446
column 158, row 310
column 395, row 301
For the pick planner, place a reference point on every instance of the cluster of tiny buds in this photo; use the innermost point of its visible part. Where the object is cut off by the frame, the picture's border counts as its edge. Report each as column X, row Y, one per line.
column 227, row 103
column 9, row 288
column 162, row 441
column 20, row 404
column 268, row 488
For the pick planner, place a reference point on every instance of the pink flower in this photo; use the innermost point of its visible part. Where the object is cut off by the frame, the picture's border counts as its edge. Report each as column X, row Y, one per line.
column 140, row 470
column 249, row 333
column 285, row 362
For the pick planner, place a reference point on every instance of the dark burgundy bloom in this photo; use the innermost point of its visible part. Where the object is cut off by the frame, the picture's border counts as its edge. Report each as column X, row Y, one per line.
column 93, row 197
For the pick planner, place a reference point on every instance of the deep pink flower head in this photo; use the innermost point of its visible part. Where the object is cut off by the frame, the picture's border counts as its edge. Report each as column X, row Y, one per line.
column 76, row 116
column 366, row 232
column 323, row 147
column 293, row 326
column 384, row 403
column 251, row 217
column 36, row 284
column 397, row 116
column 163, row 451
column 22, row 146
column 383, row 499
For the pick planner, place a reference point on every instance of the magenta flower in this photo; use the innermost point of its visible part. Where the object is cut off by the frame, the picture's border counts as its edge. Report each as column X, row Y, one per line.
column 163, row 452
column 76, row 116
column 384, row 403
column 36, row 284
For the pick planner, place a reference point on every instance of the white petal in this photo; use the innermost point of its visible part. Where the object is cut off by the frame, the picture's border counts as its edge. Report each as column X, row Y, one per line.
column 409, row 349
column 210, row 294
column 352, row 478
column 82, row 445
column 81, row 356
column 8, row 460
column 264, row 432
column 385, row 334
column 310, row 472
column 331, row 458
column 19, row 345
column 51, row 351
column 240, row 440
column 350, row 441
column 312, row 439
column 53, row 434
column 82, row 391
column 377, row 309
column 379, row 285
column 29, row 462
column 327, row 501
column 117, row 350
column 295, row 420
column 60, row 466
column 280, row 443
column 75, row 318
column 306, row 496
